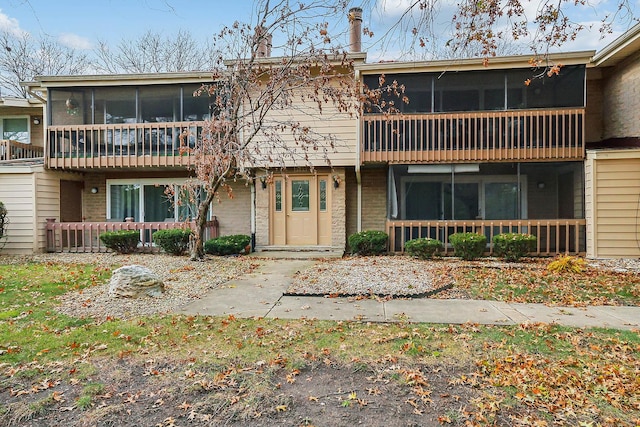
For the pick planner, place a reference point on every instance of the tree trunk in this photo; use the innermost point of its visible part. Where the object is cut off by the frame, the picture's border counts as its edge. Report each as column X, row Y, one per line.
column 197, row 238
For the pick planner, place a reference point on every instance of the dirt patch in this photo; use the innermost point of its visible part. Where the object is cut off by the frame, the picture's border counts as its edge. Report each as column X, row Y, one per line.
column 170, row 393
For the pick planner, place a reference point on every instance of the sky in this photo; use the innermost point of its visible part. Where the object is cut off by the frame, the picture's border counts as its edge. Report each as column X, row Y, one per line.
column 81, row 23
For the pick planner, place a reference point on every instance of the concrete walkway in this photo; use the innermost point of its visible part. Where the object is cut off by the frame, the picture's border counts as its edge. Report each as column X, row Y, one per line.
column 260, row 294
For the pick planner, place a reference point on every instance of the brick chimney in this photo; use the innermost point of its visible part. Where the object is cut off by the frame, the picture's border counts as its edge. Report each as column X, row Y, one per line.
column 355, row 29
column 264, row 43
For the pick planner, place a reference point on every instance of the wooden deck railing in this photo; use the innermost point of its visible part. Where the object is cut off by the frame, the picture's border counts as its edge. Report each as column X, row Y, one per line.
column 85, row 236
column 479, row 136
column 554, row 236
column 121, row 145
column 13, row 150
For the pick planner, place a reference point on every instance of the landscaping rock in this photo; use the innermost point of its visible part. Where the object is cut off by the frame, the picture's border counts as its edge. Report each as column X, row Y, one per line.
column 132, row 281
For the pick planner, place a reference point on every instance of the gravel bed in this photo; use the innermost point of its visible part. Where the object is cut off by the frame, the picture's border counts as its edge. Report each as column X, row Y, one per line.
column 380, row 276
column 408, row 277
column 184, row 280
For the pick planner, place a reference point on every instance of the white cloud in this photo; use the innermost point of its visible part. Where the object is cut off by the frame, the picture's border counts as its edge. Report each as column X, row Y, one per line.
column 75, row 41
column 10, row 25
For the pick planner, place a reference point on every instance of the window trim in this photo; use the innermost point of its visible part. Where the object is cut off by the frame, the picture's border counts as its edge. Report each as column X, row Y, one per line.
column 21, row 116
column 142, row 182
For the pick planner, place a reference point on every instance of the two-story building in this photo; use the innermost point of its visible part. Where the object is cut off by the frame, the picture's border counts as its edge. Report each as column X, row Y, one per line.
column 509, row 147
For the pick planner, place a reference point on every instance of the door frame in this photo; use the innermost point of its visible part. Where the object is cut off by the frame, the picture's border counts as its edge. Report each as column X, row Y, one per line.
column 322, row 212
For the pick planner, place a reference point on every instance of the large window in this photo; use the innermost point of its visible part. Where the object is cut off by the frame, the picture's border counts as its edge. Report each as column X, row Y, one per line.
column 15, row 129
column 484, row 90
column 128, row 104
column 461, row 197
column 150, row 200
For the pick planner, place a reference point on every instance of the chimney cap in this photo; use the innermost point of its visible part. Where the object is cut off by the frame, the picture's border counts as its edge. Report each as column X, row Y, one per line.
column 355, row 13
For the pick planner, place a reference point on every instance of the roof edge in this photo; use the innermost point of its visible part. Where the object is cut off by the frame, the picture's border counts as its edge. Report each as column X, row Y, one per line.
column 619, row 49
column 499, row 62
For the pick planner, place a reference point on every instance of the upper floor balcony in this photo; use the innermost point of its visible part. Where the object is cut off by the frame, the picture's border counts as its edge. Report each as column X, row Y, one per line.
column 513, row 135
column 13, row 150
column 122, row 145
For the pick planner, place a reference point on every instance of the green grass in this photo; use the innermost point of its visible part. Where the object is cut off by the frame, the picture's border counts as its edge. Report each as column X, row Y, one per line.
column 534, row 284
column 527, row 363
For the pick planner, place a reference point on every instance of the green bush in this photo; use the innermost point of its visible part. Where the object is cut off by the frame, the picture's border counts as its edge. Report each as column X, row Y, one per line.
column 369, row 242
column 513, row 246
column 174, row 241
column 423, row 248
column 122, row 242
column 468, row 246
column 227, row 245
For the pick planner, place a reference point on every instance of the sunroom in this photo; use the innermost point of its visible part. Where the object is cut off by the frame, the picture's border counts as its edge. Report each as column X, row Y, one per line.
column 437, row 200
column 124, row 121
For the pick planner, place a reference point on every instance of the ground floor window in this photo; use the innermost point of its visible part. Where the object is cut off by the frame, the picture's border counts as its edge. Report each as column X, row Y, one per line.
column 151, row 200
column 433, row 195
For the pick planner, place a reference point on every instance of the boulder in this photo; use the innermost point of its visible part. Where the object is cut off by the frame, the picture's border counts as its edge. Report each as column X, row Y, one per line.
column 132, row 281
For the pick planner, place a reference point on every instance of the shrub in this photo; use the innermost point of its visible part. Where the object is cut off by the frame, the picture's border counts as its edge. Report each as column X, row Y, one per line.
column 423, row 248
column 513, row 246
column 122, row 242
column 369, row 242
column 468, row 246
column 227, row 245
column 567, row 263
column 174, row 241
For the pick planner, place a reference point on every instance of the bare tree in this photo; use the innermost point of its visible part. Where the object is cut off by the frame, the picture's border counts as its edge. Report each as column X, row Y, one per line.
column 491, row 27
column 22, row 57
column 263, row 107
column 154, row 53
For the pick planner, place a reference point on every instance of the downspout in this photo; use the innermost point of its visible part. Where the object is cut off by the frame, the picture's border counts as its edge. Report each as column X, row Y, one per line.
column 253, row 215
column 358, row 174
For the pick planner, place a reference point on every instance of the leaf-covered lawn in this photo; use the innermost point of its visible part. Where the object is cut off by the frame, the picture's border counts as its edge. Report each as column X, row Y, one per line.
column 190, row 370
column 533, row 283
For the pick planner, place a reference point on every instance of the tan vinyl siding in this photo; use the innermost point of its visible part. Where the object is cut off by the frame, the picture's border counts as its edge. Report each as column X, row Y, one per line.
column 613, row 198
column 17, row 194
column 330, row 122
column 31, row 195
column 48, row 203
column 589, row 204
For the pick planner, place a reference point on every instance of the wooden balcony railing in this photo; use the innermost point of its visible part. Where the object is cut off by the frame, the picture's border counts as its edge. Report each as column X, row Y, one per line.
column 85, row 236
column 513, row 135
column 121, row 145
column 554, row 236
column 13, row 150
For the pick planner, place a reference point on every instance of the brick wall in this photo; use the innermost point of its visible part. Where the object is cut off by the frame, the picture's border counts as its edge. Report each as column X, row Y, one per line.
column 94, row 205
column 622, row 99
column 351, row 187
column 593, row 113
column 262, row 213
column 234, row 215
column 338, row 210
column 374, row 199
